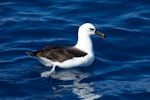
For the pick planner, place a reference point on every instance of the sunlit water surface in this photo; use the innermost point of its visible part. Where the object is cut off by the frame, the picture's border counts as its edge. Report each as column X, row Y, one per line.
column 121, row 70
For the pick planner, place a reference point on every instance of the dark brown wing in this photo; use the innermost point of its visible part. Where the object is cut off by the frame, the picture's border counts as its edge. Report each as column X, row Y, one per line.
column 58, row 53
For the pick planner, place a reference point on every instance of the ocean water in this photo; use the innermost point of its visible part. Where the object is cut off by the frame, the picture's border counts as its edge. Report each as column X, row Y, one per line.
column 121, row 70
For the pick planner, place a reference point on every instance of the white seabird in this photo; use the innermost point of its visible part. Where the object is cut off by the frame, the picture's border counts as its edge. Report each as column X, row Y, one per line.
column 81, row 54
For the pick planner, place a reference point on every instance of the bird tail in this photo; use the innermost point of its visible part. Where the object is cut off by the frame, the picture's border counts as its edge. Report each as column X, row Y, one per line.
column 30, row 53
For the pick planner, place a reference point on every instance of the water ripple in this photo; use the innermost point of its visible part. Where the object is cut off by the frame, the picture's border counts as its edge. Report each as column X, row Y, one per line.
column 121, row 67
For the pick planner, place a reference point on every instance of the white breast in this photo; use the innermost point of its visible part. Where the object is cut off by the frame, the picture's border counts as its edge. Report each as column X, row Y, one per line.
column 76, row 62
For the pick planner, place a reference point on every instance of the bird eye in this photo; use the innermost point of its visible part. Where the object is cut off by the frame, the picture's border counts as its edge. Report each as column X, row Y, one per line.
column 91, row 28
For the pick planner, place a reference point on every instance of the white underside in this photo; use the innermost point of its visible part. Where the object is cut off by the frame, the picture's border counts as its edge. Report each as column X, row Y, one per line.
column 75, row 62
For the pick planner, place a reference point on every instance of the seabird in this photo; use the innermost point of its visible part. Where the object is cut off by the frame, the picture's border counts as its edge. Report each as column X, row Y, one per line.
column 69, row 56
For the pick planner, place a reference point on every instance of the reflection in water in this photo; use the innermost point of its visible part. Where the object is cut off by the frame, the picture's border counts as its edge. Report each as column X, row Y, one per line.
column 83, row 90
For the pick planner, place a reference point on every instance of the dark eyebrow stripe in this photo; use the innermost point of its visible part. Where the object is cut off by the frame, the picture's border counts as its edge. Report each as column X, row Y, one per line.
column 91, row 29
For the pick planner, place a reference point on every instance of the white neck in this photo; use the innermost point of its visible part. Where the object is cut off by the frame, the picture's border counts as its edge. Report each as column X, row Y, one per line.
column 85, row 43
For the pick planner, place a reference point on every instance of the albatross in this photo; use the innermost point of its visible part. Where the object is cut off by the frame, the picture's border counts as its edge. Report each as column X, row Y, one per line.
column 81, row 54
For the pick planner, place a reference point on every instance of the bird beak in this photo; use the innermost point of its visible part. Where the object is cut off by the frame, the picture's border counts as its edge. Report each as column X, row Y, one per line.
column 100, row 34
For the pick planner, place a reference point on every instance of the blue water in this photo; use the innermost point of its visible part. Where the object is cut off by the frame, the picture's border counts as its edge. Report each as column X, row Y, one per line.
column 121, row 70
